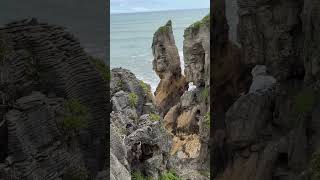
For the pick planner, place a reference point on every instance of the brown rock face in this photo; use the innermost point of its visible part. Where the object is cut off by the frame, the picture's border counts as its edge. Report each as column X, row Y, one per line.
column 166, row 64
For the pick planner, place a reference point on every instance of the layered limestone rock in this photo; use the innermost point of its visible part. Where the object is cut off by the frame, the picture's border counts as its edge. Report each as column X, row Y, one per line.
column 188, row 121
column 271, row 128
column 46, row 58
column 139, row 143
column 196, row 52
column 166, row 64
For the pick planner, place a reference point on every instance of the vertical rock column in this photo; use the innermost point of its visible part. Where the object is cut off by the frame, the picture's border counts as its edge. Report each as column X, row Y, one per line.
column 166, row 64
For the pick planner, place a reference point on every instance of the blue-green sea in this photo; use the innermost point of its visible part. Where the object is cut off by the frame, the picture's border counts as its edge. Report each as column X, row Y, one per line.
column 131, row 38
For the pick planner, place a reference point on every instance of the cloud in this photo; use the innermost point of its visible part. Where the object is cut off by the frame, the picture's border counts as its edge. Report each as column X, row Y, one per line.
column 140, row 9
column 119, row 6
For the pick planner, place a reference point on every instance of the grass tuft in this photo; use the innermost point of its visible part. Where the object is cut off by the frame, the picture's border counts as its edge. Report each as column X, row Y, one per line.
column 133, row 99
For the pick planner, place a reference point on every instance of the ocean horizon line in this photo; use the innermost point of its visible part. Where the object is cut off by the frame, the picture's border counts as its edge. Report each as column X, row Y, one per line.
column 153, row 11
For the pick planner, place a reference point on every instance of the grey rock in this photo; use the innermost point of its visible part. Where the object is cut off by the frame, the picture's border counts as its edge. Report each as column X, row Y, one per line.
column 125, row 81
column 33, row 140
column 117, row 170
column 196, row 53
column 241, row 118
column 261, row 81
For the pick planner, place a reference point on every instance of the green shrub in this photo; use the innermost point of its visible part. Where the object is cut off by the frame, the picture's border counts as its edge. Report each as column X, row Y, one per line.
column 133, row 99
column 137, row 175
column 32, row 67
column 75, row 173
column 4, row 49
column 169, row 175
column 102, row 68
column 163, row 29
column 154, row 117
column 120, row 84
column 207, row 119
column 315, row 166
column 145, row 87
column 74, row 116
column 202, row 22
column 305, row 100
column 204, row 94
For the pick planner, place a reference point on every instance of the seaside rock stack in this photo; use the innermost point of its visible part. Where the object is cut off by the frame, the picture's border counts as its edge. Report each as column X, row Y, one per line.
column 186, row 116
column 143, row 143
column 166, row 64
column 43, row 66
column 271, row 131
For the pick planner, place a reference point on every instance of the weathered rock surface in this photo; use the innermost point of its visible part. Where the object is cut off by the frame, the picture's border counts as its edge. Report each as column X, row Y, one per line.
column 271, row 127
column 196, row 52
column 188, row 121
column 261, row 81
column 139, row 142
column 47, row 59
column 166, row 64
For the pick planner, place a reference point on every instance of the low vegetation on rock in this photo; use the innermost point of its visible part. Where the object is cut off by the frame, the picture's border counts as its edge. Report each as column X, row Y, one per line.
column 169, row 175
column 74, row 116
column 4, row 49
column 154, row 117
column 102, row 68
column 137, row 175
column 203, row 22
column 75, row 173
column 207, row 119
column 145, row 87
column 133, row 99
column 315, row 166
column 305, row 100
column 204, row 94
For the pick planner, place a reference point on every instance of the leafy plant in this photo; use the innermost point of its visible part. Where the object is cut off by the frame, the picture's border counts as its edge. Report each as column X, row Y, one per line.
column 204, row 94
column 74, row 116
column 32, row 67
column 137, row 175
column 169, row 175
column 315, row 166
column 4, row 49
column 75, row 173
column 202, row 22
column 133, row 99
column 163, row 29
column 102, row 67
column 154, row 117
column 305, row 100
column 207, row 119
column 120, row 84
column 145, row 87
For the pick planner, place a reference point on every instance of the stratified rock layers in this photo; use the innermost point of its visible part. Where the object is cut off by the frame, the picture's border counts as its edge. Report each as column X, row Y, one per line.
column 270, row 125
column 48, row 59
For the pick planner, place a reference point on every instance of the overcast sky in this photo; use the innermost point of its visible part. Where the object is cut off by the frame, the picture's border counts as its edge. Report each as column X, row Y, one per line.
column 126, row 6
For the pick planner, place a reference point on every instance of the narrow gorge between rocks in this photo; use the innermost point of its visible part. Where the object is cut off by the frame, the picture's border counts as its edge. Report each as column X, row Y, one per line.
column 164, row 135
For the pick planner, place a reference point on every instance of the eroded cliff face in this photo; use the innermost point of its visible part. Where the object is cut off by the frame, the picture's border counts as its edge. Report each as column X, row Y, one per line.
column 43, row 67
column 139, row 143
column 166, row 64
column 187, row 117
column 271, row 128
